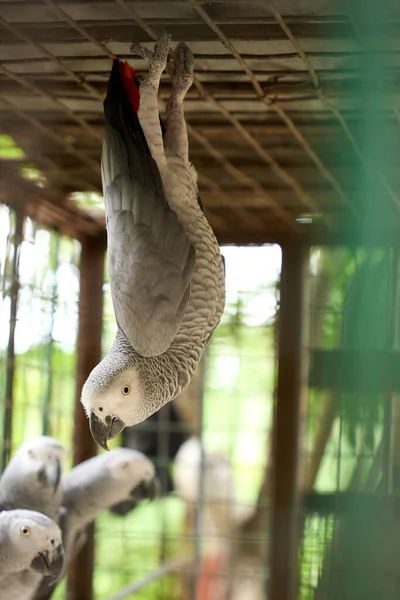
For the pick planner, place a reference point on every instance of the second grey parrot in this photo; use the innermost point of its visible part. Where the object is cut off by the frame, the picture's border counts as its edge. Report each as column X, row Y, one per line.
column 166, row 270
column 102, row 481
column 30, row 548
column 32, row 478
column 95, row 485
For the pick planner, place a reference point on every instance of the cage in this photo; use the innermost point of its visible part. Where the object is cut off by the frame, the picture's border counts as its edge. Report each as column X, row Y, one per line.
column 292, row 417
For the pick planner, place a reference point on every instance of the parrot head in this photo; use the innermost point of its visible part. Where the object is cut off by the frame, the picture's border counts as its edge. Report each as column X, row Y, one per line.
column 40, row 461
column 133, row 474
column 112, row 402
column 37, row 537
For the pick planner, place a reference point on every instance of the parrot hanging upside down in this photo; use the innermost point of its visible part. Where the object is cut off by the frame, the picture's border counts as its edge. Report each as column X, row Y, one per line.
column 166, row 271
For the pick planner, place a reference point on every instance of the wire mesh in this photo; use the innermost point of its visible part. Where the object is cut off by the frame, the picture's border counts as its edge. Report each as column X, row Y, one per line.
column 239, row 363
column 43, row 377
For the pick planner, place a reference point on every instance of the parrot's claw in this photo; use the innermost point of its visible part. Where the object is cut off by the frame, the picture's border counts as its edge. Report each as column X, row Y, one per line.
column 139, row 50
column 157, row 59
column 181, row 70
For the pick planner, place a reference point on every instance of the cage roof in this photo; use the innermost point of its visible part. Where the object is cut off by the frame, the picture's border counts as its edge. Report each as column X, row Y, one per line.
column 276, row 115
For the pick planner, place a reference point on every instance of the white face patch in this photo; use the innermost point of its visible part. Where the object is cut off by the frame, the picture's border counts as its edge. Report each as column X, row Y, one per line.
column 43, row 451
column 122, row 399
column 130, row 466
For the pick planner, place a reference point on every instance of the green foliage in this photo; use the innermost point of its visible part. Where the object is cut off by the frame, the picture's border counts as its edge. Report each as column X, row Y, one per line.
column 9, row 149
column 88, row 200
column 353, row 296
column 33, row 174
column 358, row 315
column 318, row 535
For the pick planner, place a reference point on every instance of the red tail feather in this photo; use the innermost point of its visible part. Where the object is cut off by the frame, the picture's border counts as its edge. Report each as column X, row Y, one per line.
column 128, row 79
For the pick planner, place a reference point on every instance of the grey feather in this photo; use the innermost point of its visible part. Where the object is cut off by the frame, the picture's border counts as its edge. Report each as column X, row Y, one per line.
column 150, row 258
column 30, row 546
column 32, row 478
column 95, row 485
column 166, row 271
column 102, row 481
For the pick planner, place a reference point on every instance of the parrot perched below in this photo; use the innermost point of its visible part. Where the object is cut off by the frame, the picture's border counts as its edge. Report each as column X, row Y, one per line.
column 221, row 511
column 32, row 478
column 148, row 437
column 102, row 481
column 95, row 485
column 166, row 271
column 30, row 548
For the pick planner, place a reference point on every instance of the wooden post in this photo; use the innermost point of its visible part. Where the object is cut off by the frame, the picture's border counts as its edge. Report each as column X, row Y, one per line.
column 292, row 386
column 80, row 574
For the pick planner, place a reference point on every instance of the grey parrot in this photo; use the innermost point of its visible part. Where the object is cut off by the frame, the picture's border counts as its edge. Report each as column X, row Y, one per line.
column 164, row 430
column 32, row 478
column 166, row 271
column 223, row 512
column 102, row 481
column 30, row 547
column 95, row 485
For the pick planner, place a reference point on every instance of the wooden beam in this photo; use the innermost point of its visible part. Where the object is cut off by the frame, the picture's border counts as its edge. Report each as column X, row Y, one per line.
column 377, row 371
column 243, row 90
column 387, row 234
column 80, row 574
column 48, row 207
column 214, row 128
column 125, row 31
column 291, row 395
column 339, row 503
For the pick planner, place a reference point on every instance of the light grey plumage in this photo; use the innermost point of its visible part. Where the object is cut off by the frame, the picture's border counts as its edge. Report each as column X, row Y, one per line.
column 102, row 481
column 166, row 270
column 32, row 478
column 95, row 485
column 222, row 511
column 30, row 547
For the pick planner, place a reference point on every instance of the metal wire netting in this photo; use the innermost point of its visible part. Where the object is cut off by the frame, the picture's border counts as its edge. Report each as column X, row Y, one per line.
column 39, row 283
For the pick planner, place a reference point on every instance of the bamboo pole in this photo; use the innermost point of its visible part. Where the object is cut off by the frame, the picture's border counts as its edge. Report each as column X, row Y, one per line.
column 80, row 574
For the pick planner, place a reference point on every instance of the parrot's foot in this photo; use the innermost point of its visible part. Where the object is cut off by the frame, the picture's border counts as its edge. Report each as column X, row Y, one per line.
column 181, row 71
column 157, row 59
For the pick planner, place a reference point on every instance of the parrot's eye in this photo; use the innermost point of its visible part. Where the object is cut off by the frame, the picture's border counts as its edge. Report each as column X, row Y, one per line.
column 100, row 409
column 126, row 390
column 25, row 531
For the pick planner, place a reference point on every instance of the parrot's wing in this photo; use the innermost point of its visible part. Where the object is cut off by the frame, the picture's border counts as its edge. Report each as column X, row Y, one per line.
column 151, row 259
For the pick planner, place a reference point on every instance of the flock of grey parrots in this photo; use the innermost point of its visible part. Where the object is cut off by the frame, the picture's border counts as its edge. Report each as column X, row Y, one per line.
column 167, row 284
column 44, row 513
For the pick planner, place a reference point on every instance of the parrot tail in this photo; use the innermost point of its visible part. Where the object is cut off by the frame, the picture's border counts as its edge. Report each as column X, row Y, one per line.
column 121, row 105
column 130, row 83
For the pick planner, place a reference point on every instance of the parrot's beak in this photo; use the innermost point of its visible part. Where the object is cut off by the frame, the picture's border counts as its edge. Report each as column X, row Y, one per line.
column 102, row 431
column 50, row 565
column 146, row 490
column 51, row 474
column 123, row 508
